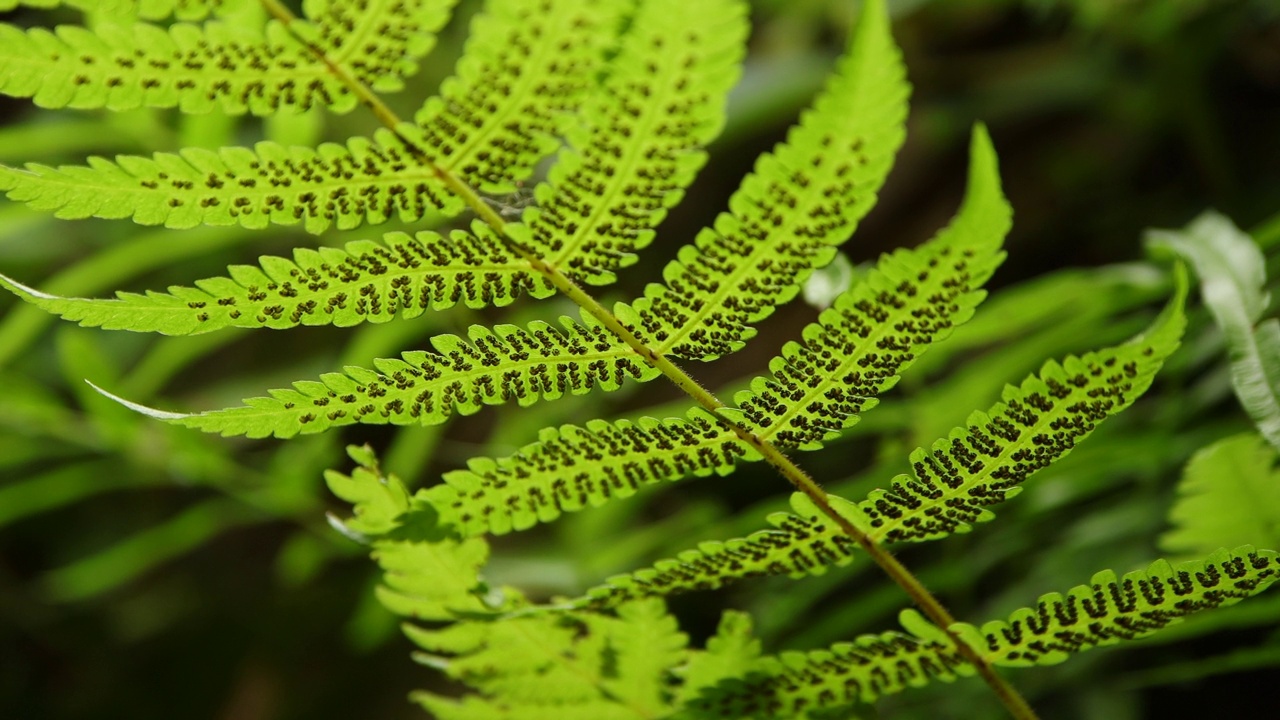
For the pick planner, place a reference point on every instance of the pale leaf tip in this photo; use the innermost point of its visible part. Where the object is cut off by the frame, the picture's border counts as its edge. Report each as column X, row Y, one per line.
column 152, row 412
column 21, row 289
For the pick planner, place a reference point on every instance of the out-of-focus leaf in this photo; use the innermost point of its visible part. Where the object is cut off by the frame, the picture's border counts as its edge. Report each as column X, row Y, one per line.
column 1232, row 279
column 1230, row 495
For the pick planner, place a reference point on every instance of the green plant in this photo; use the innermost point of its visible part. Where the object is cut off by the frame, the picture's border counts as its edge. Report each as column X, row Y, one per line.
column 634, row 105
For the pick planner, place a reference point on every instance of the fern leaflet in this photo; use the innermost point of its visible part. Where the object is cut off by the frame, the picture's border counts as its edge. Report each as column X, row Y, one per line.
column 575, row 468
column 787, row 216
column 146, row 9
column 403, row 277
column 526, row 68
column 364, row 181
column 639, row 142
column 505, row 364
column 427, row 575
column 231, row 67
column 1232, row 271
column 1229, row 494
column 1105, row 612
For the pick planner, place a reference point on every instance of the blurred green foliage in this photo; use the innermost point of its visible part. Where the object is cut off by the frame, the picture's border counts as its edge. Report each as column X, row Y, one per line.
column 151, row 571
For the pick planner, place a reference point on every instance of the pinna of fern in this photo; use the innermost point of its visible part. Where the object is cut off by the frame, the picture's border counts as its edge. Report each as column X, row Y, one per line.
column 636, row 93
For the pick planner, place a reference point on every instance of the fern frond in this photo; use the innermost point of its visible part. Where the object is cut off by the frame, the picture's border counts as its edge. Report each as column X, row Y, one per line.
column 364, row 181
column 402, row 277
column 794, row 684
column 1229, row 494
column 426, row 574
column 1108, row 611
column 951, row 485
column 574, row 667
column 146, row 9
column 1233, row 278
column 228, row 66
column 505, row 364
column 802, row 542
column 1111, row 610
column 525, row 70
column 575, row 468
column 787, row 217
column 876, row 329
column 640, row 139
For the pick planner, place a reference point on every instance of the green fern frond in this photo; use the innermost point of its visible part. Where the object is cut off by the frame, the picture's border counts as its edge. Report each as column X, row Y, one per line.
column 402, row 277
column 787, row 217
column 580, row 667
column 575, row 468
column 525, row 70
column 802, row 542
column 505, row 364
column 146, row 9
column 795, row 684
column 1233, row 280
column 1229, row 494
column 364, row 181
column 877, row 328
column 426, row 574
column 1108, row 611
column 951, row 485
column 639, row 142
column 231, row 67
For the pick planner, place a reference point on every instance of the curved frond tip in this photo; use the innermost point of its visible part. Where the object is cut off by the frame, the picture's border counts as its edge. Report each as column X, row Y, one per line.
column 149, row 411
column 402, row 277
column 461, row 376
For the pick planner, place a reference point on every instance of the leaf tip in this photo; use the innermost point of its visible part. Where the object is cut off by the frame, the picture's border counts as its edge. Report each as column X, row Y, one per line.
column 149, row 411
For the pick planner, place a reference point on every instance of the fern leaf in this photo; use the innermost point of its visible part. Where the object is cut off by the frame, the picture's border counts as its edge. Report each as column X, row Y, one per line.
column 730, row 653
column 426, row 575
column 378, row 502
column 228, row 66
column 575, row 468
column 365, row 181
column 147, row 9
column 495, row 366
column 1230, row 494
column 639, row 143
column 951, row 486
column 1105, row 612
column 1111, row 610
column 403, row 277
column 800, row 543
column 577, row 667
column 1232, row 271
column 1036, row 424
column 525, row 70
column 859, row 346
column 794, row 684
column 377, row 41
column 787, row 217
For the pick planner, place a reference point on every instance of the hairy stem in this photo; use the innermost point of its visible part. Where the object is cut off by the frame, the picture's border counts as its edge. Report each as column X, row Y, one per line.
column 919, row 594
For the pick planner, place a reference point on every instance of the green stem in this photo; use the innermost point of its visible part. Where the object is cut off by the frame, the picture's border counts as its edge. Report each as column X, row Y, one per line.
column 919, row 594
